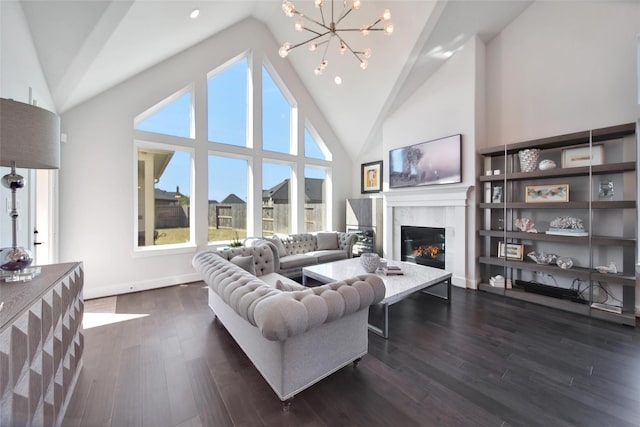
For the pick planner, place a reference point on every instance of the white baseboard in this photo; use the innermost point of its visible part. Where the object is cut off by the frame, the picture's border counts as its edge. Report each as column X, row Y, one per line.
column 137, row 286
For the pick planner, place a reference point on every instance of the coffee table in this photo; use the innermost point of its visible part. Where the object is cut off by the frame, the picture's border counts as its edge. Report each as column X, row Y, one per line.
column 415, row 278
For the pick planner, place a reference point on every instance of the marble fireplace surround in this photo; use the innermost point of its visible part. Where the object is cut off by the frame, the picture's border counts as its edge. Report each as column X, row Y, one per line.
column 434, row 206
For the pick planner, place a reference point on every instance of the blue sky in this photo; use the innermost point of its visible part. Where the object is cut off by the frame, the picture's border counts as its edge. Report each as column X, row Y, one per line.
column 227, row 110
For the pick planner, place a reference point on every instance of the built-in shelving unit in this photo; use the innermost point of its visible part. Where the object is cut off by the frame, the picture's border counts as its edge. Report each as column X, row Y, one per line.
column 610, row 219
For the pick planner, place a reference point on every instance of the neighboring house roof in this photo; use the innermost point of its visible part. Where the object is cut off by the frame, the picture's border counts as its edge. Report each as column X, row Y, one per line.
column 279, row 193
column 168, row 195
column 232, row 198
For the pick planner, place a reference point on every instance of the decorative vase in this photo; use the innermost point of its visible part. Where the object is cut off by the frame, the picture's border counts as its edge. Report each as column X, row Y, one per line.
column 370, row 262
column 528, row 159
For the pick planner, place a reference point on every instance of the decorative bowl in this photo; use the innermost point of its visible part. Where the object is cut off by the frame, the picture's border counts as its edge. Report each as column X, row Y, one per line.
column 542, row 257
column 370, row 262
column 564, row 262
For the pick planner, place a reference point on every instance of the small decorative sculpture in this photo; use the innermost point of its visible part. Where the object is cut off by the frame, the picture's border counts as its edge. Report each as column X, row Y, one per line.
column 567, row 223
column 546, row 165
column 542, row 257
column 525, row 224
column 612, row 269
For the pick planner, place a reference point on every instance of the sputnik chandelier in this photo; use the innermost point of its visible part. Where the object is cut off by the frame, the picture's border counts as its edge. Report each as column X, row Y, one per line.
column 326, row 29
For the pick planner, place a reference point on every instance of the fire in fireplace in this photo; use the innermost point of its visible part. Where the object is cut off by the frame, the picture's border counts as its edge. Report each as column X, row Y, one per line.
column 423, row 245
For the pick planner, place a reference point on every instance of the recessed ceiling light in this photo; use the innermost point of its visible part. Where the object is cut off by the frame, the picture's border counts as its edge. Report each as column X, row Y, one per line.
column 194, row 13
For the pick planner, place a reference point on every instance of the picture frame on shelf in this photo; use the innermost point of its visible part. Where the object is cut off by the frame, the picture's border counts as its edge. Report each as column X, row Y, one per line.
column 582, row 156
column 371, row 177
column 496, row 195
column 549, row 193
column 511, row 251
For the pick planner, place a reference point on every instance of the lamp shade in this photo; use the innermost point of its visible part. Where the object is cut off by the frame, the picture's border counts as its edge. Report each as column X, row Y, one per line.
column 29, row 136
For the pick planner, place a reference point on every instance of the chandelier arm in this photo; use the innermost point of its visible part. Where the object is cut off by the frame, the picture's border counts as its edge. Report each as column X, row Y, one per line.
column 316, row 32
column 326, row 48
column 320, row 24
column 349, row 47
column 308, row 40
column 344, row 16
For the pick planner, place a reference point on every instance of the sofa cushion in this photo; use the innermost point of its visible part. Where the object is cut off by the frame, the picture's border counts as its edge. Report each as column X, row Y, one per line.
column 282, row 251
column 272, row 279
column 245, row 262
column 293, row 261
column 328, row 256
column 285, row 286
column 327, row 241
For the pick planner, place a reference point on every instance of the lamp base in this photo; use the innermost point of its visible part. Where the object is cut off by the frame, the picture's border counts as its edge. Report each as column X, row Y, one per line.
column 25, row 275
column 15, row 259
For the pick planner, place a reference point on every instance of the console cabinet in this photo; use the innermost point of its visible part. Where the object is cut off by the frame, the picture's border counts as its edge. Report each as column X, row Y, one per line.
column 41, row 344
column 594, row 181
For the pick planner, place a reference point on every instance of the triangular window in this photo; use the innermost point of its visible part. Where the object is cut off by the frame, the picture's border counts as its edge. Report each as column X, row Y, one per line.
column 172, row 116
column 276, row 117
column 312, row 149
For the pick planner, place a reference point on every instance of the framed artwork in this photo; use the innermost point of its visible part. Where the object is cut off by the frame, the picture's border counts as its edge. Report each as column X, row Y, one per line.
column 582, row 156
column 510, row 251
column 546, row 193
column 496, row 197
column 371, row 177
column 427, row 163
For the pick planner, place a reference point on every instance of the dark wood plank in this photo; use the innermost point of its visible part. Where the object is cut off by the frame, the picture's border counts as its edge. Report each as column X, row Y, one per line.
column 483, row 360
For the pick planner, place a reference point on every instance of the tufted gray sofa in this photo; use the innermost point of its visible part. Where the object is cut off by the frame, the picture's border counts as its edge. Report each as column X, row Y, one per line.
column 294, row 335
column 296, row 251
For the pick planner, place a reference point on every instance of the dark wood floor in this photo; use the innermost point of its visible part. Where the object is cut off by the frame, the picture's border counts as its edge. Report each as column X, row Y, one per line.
column 483, row 360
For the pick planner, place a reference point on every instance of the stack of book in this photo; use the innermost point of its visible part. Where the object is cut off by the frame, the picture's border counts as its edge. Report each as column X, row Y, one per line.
column 392, row 270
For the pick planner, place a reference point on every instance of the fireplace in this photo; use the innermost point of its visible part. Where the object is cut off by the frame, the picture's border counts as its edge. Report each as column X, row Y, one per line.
column 423, row 245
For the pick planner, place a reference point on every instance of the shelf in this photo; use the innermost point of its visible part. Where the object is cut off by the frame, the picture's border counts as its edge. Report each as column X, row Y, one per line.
column 573, row 307
column 580, row 240
column 613, row 204
column 561, row 141
column 580, row 272
column 612, row 222
column 563, row 172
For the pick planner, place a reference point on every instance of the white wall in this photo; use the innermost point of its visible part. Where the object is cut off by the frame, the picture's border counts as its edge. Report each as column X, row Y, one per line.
column 447, row 104
column 20, row 70
column 97, row 173
column 563, row 67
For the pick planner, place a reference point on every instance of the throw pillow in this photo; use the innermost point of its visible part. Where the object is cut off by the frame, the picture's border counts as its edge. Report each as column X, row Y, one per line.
column 282, row 251
column 245, row 262
column 327, row 241
column 288, row 287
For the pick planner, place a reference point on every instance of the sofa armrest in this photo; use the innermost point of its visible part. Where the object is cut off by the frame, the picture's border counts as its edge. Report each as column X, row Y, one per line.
column 346, row 242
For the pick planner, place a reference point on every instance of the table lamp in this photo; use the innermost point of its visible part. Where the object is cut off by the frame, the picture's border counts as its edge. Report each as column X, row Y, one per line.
column 29, row 138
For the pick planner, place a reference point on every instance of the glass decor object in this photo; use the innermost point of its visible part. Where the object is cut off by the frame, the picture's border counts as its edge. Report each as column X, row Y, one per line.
column 529, row 159
column 564, row 262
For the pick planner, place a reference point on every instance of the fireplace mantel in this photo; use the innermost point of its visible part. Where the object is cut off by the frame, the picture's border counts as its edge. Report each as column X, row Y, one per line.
column 445, row 195
column 445, row 206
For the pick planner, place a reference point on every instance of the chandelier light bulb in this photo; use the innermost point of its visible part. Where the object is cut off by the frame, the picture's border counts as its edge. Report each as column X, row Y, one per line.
column 284, row 50
column 367, row 53
column 299, row 25
column 324, row 64
column 313, row 47
column 388, row 29
column 337, row 80
column 364, row 64
column 288, row 8
column 318, row 71
column 364, row 30
column 343, row 48
column 386, row 15
column 355, row 4
column 318, row 3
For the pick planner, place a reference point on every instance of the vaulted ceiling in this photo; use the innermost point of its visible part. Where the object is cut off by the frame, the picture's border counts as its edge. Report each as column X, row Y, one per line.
column 86, row 47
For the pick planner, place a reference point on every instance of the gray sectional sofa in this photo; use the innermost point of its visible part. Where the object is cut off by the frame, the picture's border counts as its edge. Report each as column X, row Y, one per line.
column 292, row 252
column 294, row 335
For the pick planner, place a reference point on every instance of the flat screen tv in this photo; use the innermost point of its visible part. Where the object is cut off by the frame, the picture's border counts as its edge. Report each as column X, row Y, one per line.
column 427, row 163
